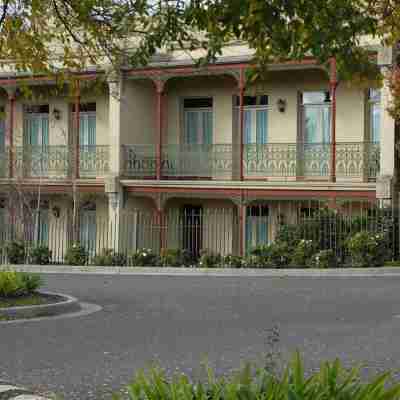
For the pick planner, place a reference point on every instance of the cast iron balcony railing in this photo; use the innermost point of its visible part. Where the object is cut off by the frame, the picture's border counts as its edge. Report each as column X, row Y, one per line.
column 4, row 162
column 197, row 160
column 41, row 161
column 139, row 161
column 281, row 161
column 94, row 161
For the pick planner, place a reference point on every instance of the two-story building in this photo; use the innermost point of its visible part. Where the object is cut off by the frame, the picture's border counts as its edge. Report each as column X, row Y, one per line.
column 215, row 160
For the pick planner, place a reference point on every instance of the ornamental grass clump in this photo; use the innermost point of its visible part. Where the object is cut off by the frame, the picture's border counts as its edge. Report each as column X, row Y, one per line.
column 332, row 382
column 17, row 284
column 367, row 249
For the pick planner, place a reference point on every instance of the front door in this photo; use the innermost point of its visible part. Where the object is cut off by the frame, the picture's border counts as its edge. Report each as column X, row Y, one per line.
column 192, row 220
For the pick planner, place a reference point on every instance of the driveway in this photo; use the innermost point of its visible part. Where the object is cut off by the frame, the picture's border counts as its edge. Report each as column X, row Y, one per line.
column 181, row 321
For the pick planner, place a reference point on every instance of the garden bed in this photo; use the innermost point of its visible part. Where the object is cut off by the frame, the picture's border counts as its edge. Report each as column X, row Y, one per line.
column 33, row 299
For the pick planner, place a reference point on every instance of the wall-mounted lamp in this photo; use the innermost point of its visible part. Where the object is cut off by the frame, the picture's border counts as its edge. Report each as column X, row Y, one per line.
column 56, row 211
column 56, row 114
column 281, row 103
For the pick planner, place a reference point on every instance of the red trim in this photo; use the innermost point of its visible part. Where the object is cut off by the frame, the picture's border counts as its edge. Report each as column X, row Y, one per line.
column 333, row 85
column 77, row 127
column 10, row 132
column 273, row 193
column 241, row 121
column 16, row 81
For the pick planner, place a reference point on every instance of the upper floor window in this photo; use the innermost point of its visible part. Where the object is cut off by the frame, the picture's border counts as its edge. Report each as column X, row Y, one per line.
column 255, row 117
column 198, row 120
column 87, row 123
column 316, row 117
column 2, row 130
column 36, row 125
column 374, row 115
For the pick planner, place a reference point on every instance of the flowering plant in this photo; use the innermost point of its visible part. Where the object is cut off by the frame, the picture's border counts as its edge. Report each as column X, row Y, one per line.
column 303, row 253
column 367, row 249
column 324, row 259
column 143, row 258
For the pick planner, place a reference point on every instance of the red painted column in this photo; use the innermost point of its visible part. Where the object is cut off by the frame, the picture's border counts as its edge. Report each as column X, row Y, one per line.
column 333, row 85
column 242, row 227
column 159, row 94
column 241, row 122
column 77, row 101
column 10, row 131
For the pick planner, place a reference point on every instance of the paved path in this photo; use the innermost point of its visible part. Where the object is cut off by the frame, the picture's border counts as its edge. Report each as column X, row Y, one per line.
column 179, row 321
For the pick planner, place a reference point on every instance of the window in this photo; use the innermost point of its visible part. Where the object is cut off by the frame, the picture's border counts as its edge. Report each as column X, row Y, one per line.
column 255, row 119
column 374, row 115
column 87, row 124
column 198, row 120
column 316, row 117
column 2, row 130
column 36, row 125
column 256, row 226
column 87, row 231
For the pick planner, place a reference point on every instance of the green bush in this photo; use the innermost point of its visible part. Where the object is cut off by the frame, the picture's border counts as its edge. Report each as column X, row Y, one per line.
column 16, row 284
column 232, row 261
column 367, row 249
column 208, row 259
column 144, row 258
column 278, row 254
column 303, row 253
column 256, row 261
column 175, row 258
column 331, row 382
column 324, row 259
column 40, row 255
column 16, row 252
column 109, row 257
column 76, row 255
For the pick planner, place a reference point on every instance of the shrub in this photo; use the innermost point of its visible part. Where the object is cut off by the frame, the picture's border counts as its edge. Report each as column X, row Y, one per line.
column 15, row 284
column 76, row 255
column 278, row 254
column 324, row 259
column 175, row 258
column 331, row 382
column 208, row 259
column 232, row 261
column 15, row 252
column 143, row 258
column 256, row 261
column 367, row 249
column 109, row 257
column 303, row 253
column 40, row 255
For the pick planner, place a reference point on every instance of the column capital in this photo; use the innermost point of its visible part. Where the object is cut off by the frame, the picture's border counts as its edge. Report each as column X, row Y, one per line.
column 11, row 92
column 159, row 83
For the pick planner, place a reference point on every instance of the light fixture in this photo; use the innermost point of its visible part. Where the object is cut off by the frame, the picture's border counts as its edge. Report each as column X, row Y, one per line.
column 281, row 103
column 56, row 211
column 56, row 114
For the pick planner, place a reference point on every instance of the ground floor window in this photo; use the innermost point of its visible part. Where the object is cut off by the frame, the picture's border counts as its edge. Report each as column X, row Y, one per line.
column 256, row 226
column 192, row 229
column 87, row 228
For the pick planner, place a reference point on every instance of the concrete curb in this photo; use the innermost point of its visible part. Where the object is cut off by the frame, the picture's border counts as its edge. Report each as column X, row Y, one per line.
column 11, row 392
column 212, row 272
column 69, row 304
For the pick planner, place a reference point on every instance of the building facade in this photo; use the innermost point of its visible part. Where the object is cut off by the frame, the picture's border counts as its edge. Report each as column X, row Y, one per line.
column 205, row 150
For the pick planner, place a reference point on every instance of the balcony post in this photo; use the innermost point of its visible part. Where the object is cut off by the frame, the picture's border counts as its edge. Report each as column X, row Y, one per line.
column 115, row 194
column 115, row 109
column 77, row 100
column 241, row 207
column 333, row 86
column 241, row 121
column 159, row 83
column 11, row 92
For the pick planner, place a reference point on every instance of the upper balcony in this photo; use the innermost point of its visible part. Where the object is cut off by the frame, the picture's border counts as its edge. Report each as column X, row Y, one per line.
column 275, row 161
column 54, row 162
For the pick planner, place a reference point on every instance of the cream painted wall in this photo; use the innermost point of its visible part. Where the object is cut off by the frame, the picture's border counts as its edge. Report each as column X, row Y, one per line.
column 138, row 112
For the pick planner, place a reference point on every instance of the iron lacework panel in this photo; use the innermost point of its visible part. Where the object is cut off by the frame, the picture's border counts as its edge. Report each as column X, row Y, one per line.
column 139, row 161
column 4, row 162
column 94, row 161
column 36, row 161
column 197, row 160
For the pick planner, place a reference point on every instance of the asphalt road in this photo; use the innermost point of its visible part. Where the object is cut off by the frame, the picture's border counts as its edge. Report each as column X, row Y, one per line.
column 181, row 321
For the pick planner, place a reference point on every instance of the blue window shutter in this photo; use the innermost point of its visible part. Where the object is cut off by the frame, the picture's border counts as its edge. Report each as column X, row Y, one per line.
column 191, row 127
column 43, row 227
column 2, row 135
column 207, row 127
column 92, row 130
column 326, row 124
column 83, row 130
column 262, row 126
column 249, row 233
column 247, row 127
column 375, row 123
column 262, row 234
column 45, row 131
